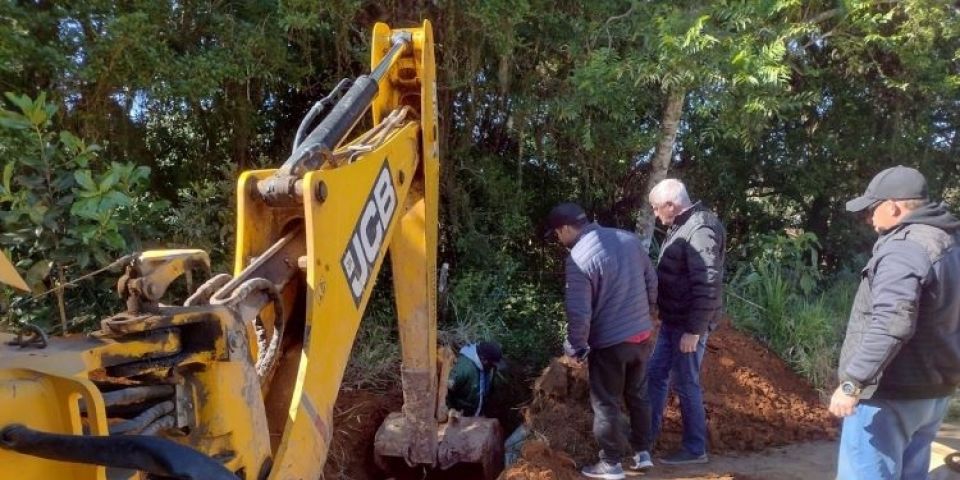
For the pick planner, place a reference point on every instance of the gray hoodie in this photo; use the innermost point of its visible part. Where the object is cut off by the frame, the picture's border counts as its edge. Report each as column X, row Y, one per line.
column 483, row 386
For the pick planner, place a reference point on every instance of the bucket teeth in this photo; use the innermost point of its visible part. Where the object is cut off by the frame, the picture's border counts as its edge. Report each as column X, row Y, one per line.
column 474, row 440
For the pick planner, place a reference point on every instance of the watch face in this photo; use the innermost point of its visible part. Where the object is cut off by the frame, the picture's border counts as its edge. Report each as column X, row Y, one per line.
column 848, row 388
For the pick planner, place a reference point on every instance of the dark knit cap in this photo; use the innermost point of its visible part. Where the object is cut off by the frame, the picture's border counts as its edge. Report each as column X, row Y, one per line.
column 489, row 351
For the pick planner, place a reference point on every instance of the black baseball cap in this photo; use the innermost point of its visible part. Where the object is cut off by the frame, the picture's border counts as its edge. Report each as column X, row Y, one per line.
column 896, row 183
column 567, row 213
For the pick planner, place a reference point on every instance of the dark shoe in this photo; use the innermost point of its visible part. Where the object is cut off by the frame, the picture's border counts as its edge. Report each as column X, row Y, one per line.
column 602, row 469
column 641, row 462
column 683, row 457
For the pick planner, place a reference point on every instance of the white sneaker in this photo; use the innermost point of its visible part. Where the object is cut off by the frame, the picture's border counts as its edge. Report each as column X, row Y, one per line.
column 604, row 470
column 641, row 462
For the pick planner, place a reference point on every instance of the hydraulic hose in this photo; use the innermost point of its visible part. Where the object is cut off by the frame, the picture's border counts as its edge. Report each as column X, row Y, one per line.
column 154, row 455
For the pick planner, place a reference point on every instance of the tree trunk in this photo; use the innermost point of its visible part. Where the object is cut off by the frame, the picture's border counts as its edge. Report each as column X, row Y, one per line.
column 241, row 110
column 660, row 163
column 61, row 304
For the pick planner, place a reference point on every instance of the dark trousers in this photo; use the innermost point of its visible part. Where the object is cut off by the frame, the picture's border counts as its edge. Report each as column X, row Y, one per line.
column 619, row 372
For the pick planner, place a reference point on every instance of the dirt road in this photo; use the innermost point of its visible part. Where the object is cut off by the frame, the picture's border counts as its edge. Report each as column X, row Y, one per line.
column 806, row 461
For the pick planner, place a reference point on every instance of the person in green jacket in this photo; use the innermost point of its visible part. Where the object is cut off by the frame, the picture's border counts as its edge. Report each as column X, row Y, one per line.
column 470, row 381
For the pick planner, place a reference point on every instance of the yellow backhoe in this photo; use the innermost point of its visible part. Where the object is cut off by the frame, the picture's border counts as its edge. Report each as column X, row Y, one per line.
column 239, row 379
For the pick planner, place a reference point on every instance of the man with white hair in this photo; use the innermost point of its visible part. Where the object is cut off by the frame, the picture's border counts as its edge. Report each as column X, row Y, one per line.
column 690, row 273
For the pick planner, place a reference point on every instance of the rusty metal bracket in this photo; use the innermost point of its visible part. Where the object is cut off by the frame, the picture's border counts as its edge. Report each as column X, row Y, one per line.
column 147, row 277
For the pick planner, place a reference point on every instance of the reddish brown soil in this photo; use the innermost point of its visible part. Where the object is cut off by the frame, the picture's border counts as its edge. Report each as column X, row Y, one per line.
column 753, row 401
column 540, row 462
column 356, row 418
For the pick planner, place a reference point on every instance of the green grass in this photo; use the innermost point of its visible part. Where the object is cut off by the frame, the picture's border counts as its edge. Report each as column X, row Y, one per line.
column 805, row 332
column 375, row 361
column 781, row 298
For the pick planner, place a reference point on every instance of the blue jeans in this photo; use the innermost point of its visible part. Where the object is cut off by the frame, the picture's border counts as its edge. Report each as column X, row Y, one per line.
column 669, row 365
column 890, row 439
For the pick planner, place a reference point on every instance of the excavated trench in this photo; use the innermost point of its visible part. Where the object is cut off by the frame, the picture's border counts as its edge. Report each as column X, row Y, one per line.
column 753, row 402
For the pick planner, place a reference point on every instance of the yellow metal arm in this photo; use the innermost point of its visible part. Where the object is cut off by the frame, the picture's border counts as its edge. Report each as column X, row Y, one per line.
column 9, row 275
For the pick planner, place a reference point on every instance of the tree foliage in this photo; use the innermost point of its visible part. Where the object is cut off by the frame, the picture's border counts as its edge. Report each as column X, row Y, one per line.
column 65, row 208
column 789, row 108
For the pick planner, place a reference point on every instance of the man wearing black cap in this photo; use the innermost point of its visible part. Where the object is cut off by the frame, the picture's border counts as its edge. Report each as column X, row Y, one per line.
column 900, row 360
column 610, row 287
column 471, row 379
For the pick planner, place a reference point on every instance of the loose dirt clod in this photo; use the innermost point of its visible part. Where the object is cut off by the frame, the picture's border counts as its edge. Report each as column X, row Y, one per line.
column 540, row 462
column 753, row 401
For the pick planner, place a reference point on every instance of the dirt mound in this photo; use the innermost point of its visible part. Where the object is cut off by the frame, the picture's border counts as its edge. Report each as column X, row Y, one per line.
column 753, row 401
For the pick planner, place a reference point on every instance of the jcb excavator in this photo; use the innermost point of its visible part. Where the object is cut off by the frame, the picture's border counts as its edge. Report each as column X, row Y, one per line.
column 239, row 379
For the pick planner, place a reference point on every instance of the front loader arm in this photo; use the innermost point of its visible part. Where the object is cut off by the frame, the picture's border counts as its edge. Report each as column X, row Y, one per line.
column 9, row 275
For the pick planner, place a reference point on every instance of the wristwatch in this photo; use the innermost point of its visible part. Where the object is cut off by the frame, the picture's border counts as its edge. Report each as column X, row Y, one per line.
column 850, row 389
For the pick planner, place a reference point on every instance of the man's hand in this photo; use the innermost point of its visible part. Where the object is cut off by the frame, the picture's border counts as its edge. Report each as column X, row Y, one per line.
column 688, row 342
column 843, row 405
column 577, row 355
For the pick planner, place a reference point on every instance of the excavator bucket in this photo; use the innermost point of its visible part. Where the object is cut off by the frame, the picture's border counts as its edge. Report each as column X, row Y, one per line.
column 9, row 275
column 460, row 440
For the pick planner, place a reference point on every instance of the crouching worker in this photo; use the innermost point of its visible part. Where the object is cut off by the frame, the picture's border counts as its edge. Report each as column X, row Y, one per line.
column 471, row 380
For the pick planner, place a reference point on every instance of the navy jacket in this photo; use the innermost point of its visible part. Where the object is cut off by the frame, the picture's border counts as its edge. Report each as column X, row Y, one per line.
column 903, row 337
column 611, row 285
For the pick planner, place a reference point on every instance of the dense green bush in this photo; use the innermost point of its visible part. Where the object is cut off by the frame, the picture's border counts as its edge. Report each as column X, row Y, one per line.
column 205, row 217
column 65, row 211
column 523, row 315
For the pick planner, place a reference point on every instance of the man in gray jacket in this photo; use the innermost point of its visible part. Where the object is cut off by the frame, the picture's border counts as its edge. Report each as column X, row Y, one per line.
column 610, row 288
column 690, row 271
column 900, row 360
